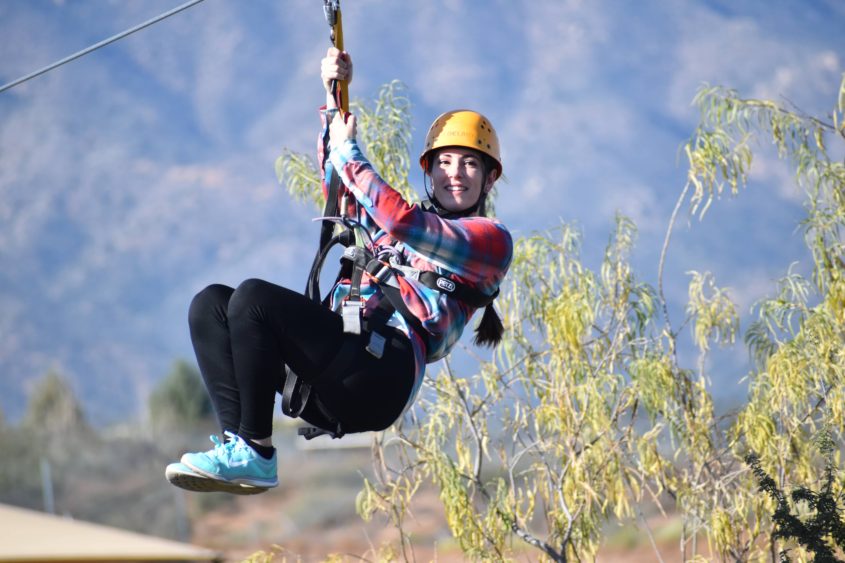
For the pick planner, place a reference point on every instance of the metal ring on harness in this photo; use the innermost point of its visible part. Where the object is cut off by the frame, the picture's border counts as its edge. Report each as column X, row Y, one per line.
column 383, row 274
column 349, row 223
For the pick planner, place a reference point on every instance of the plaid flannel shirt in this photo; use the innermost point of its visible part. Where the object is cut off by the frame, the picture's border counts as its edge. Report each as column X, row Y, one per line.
column 476, row 251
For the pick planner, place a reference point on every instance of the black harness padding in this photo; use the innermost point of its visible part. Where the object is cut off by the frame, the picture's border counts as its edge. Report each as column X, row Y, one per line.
column 327, row 241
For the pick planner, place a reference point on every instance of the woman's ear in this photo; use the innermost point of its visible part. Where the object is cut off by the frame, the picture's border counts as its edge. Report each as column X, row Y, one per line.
column 491, row 179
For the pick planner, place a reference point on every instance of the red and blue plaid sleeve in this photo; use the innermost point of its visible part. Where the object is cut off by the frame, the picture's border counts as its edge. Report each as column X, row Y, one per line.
column 476, row 248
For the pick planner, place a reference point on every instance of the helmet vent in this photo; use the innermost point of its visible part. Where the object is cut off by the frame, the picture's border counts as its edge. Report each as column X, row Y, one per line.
column 459, row 128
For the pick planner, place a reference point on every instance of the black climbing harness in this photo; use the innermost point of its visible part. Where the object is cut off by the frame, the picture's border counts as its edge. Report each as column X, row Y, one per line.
column 383, row 268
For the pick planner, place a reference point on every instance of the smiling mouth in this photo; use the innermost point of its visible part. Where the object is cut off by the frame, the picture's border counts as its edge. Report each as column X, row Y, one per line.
column 455, row 189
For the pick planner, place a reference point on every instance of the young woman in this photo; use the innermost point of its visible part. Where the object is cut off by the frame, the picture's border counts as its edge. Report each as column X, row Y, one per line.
column 436, row 267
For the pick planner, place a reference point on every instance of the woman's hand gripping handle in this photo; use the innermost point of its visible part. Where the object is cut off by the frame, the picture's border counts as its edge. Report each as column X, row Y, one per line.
column 336, row 66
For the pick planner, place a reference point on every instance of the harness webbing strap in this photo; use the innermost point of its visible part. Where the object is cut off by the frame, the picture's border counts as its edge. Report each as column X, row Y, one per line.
column 358, row 256
column 394, row 297
column 294, row 389
column 462, row 292
column 473, row 297
column 327, row 241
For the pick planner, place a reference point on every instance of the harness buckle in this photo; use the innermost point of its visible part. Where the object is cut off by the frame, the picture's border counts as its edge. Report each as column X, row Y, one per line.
column 383, row 274
column 355, row 254
column 376, row 344
column 351, row 314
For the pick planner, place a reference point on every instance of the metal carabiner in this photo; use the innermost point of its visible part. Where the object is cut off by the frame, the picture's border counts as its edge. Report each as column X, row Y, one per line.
column 330, row 8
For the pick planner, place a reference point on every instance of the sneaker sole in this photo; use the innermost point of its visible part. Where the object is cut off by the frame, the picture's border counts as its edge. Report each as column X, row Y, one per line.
column 200, row 484
column 260, row 483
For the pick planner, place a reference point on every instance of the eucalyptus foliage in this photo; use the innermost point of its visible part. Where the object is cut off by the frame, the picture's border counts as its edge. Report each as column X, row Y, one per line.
column 384, row 131
column 585, row 416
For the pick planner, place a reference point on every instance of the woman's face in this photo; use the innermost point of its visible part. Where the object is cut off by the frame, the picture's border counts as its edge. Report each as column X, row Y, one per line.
column 457, row 178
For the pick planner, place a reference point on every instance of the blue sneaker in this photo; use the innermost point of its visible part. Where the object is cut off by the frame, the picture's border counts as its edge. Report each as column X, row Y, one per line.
column 233, row 462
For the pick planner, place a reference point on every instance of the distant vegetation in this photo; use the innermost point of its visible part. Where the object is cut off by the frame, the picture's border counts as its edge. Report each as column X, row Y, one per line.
column 586, row 418
column 180, row 400
column 112, row 476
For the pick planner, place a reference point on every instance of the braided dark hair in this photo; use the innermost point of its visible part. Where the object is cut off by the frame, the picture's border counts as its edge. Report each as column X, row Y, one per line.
column 489, row 330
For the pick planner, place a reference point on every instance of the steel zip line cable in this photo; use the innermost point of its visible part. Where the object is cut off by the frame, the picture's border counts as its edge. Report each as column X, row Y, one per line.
column 103, row 43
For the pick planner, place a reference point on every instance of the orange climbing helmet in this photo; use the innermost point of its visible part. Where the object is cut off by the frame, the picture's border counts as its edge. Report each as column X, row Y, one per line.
column 462, row 128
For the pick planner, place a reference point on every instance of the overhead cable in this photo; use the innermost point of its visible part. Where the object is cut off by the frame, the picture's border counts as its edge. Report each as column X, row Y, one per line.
column 103, row 43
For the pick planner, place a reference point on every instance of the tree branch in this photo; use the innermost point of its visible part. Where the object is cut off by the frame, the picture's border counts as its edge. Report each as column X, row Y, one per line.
column 661, row 266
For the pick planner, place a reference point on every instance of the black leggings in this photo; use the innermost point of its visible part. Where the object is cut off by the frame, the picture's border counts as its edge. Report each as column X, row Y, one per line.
column 243, row 337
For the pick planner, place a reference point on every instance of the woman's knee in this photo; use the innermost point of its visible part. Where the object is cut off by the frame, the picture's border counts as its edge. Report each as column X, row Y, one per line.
column 250, row 297
column 212, row 301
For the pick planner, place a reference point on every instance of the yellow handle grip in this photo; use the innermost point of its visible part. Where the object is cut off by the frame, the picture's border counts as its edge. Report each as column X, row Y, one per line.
column 342, row 93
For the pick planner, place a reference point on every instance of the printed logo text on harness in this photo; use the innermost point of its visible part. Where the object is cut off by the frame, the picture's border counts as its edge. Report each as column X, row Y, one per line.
column 446, row 285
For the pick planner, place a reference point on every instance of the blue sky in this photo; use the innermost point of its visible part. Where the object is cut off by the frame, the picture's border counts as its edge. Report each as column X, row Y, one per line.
column 135, row 176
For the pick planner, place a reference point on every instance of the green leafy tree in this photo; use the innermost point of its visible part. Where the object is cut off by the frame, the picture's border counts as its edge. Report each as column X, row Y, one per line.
column 180, row 400
column 384, row 129
column 52, row 430
column 819, row 532
column 585, row 415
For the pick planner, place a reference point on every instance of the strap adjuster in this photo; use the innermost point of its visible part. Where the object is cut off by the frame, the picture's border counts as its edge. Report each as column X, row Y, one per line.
column 376, row 345
column 354, row 253
column 351, row 314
